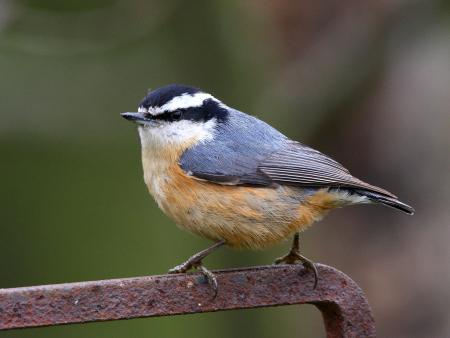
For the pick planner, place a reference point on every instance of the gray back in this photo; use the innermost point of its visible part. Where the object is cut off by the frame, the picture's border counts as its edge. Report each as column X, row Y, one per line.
column 240, row 144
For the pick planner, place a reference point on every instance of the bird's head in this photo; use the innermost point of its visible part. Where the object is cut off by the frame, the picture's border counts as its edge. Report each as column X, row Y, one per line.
column 177, row 115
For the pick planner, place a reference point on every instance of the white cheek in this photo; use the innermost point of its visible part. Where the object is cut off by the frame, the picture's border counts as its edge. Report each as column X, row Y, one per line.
column 177, row 133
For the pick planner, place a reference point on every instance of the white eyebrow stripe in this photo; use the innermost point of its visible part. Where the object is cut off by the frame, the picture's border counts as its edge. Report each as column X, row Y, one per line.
column 182, row 102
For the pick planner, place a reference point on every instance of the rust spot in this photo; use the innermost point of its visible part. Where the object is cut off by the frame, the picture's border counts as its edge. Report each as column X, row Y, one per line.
column 96, row 288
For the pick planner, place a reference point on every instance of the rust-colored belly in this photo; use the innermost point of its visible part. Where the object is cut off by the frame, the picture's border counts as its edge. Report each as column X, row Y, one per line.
column 250, row 217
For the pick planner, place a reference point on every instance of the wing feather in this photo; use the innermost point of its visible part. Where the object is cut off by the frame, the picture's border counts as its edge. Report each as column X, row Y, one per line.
column 297, row 164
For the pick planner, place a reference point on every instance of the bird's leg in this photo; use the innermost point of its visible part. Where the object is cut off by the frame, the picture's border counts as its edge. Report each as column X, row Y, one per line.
column 294, row 257
column 195, row 262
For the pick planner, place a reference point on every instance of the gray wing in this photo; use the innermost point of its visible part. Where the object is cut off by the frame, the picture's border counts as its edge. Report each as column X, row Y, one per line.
column 246, row 150
column 297, row 164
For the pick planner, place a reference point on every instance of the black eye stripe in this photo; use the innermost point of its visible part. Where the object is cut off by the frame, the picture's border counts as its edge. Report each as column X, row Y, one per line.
column 169, row 116
column 177, row 114
column 209, row 109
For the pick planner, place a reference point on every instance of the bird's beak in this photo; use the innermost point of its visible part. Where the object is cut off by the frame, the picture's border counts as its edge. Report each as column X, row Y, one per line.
column 136, row 117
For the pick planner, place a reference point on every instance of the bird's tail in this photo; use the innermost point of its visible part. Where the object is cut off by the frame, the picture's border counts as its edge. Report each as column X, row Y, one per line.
column 387, row 200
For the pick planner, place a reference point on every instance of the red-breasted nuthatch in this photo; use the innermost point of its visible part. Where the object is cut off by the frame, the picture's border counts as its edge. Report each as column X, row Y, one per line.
column 230, row 177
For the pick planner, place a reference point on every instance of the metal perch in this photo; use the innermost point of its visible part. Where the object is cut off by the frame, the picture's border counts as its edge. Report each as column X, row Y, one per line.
column 344, row 308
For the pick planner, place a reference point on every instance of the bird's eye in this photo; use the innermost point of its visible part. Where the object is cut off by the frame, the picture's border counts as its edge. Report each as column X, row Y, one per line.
column 177, row 114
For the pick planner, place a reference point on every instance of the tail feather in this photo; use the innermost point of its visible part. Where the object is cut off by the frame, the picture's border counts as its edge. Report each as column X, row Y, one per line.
column 387, row 200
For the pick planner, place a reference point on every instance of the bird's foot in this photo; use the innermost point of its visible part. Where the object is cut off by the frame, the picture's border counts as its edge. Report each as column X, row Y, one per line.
column 193, row 263
column 294, row 257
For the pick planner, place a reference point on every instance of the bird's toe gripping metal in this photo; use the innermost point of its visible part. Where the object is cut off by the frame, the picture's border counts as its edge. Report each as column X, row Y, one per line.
column 212, row 279
column 197, row 264
column 294, row 257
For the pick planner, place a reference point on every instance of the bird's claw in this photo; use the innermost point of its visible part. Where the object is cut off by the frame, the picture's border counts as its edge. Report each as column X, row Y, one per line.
column 211, row 278
column 189, row 265
column 294, row 257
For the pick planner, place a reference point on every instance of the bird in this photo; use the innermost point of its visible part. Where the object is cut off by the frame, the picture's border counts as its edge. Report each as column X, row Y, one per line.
column 229, row 177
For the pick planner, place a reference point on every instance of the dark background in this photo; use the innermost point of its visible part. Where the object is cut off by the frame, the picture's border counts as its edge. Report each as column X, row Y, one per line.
column 366, row 82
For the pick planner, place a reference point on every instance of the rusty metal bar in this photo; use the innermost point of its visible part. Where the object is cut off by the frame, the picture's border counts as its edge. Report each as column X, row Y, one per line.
column 342, row 303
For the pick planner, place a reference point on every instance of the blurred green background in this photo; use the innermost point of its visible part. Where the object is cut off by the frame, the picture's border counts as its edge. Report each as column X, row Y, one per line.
column 365, row 82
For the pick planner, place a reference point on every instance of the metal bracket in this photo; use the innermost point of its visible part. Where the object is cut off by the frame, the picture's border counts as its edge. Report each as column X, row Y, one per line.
column 342, row 303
